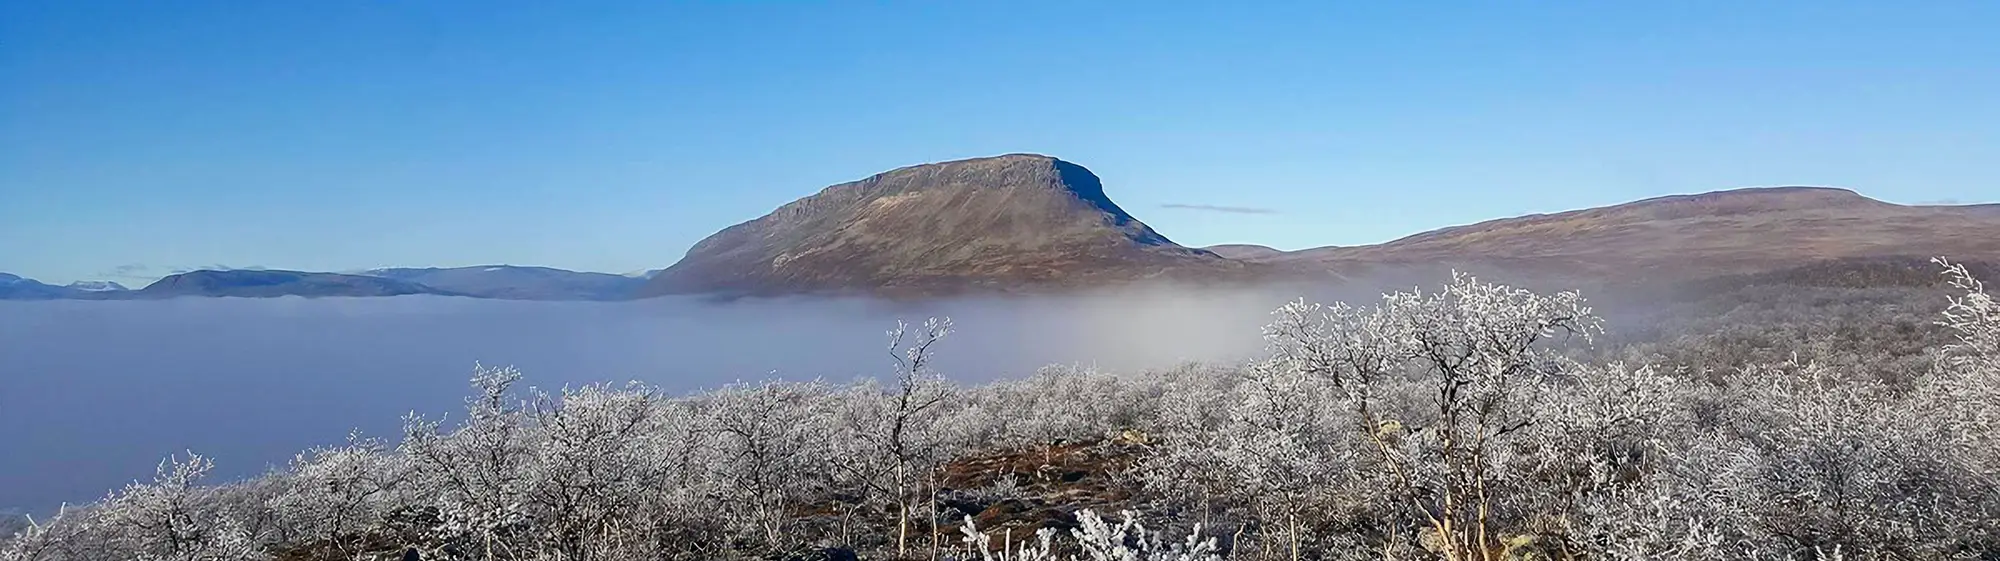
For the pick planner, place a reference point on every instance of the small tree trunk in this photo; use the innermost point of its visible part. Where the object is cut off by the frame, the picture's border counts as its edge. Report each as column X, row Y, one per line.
column 934, row 515
column 903, row 512
column 902, row 529
column 1294, row 523
column 1236, row 541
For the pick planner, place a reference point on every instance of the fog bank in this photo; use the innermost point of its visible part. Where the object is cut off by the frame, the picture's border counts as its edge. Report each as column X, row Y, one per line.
column 95, row 393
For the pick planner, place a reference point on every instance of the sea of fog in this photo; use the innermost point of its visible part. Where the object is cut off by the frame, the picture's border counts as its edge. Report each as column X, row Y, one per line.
column 94, row 394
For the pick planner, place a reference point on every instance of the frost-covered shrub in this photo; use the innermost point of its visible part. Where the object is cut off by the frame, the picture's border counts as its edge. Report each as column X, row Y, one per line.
column 171, row 518
column 333, row 494
column 1094, row 539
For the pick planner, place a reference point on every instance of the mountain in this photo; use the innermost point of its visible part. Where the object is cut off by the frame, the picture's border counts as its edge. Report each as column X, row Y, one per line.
column 17, row 288
column 274, row 283
column 1243, row 251
column 97, row 286
column 1731, row 232
column 518, row 283
column 1013, row 221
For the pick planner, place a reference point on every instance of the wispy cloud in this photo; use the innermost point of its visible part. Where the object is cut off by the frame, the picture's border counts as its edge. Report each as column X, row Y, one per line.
column 128, row 270
column 218, row 267
column 1220, row 208
column 131, row 272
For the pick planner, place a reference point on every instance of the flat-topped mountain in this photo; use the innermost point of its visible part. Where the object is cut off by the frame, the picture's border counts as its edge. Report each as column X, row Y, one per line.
column 1007, row 221
column 513, row 282
column 1690, row 236
column 273, row 283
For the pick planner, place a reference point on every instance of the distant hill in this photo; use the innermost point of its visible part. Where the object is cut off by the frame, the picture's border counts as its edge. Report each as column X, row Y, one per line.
column 496, row 281
column 1013, row 221
column 1733, row 232
column 518, row 283
column 1243, row 251
column 13, row 287
column 274, row 283
column 97, row 286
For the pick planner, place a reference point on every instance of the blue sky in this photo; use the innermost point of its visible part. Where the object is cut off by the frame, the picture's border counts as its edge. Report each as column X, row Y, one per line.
column 138, row 138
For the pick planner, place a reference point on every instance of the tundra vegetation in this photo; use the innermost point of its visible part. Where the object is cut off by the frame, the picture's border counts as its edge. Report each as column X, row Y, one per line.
column 1470, row 422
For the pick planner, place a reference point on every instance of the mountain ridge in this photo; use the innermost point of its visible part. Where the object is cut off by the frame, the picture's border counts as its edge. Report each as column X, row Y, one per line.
column 1027, row 221
column 1693, row 235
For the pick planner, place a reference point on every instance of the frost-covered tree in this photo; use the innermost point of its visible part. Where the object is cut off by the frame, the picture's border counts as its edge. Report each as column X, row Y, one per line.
column 893, row 439
column 1285, row 449
column 474, row 476
column 1471, row 358
column 1614, row 464
column 63, row 537
column 1095, row 539
column 334, row 494
column 1963, row 398
column 592, row 469
column 172, row 518
column 771, row 445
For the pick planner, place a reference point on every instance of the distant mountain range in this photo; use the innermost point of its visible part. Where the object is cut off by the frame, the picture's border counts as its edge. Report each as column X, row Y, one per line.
column 1032, row 222
column 520, row 283
column 494, row 281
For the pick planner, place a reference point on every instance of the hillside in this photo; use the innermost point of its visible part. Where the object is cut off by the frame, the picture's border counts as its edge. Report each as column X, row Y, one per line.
column 1001, row 222
column 1688, row 236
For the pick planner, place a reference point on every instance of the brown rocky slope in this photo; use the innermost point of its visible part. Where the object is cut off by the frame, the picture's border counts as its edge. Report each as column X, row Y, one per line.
column 1000, row 222
column 1684, row 237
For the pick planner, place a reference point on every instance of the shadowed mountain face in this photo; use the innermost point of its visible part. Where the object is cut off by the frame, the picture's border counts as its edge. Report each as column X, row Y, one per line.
column 1002, row 222
column 266, row 283
column 519, row 283
column 1688, row 236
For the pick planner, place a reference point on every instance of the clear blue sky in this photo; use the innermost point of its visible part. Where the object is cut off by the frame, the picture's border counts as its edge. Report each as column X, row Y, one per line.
column 138, row 138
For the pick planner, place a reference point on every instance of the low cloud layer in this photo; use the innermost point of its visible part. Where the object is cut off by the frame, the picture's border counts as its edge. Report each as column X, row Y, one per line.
column 1220, row 208
column 111, row 387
